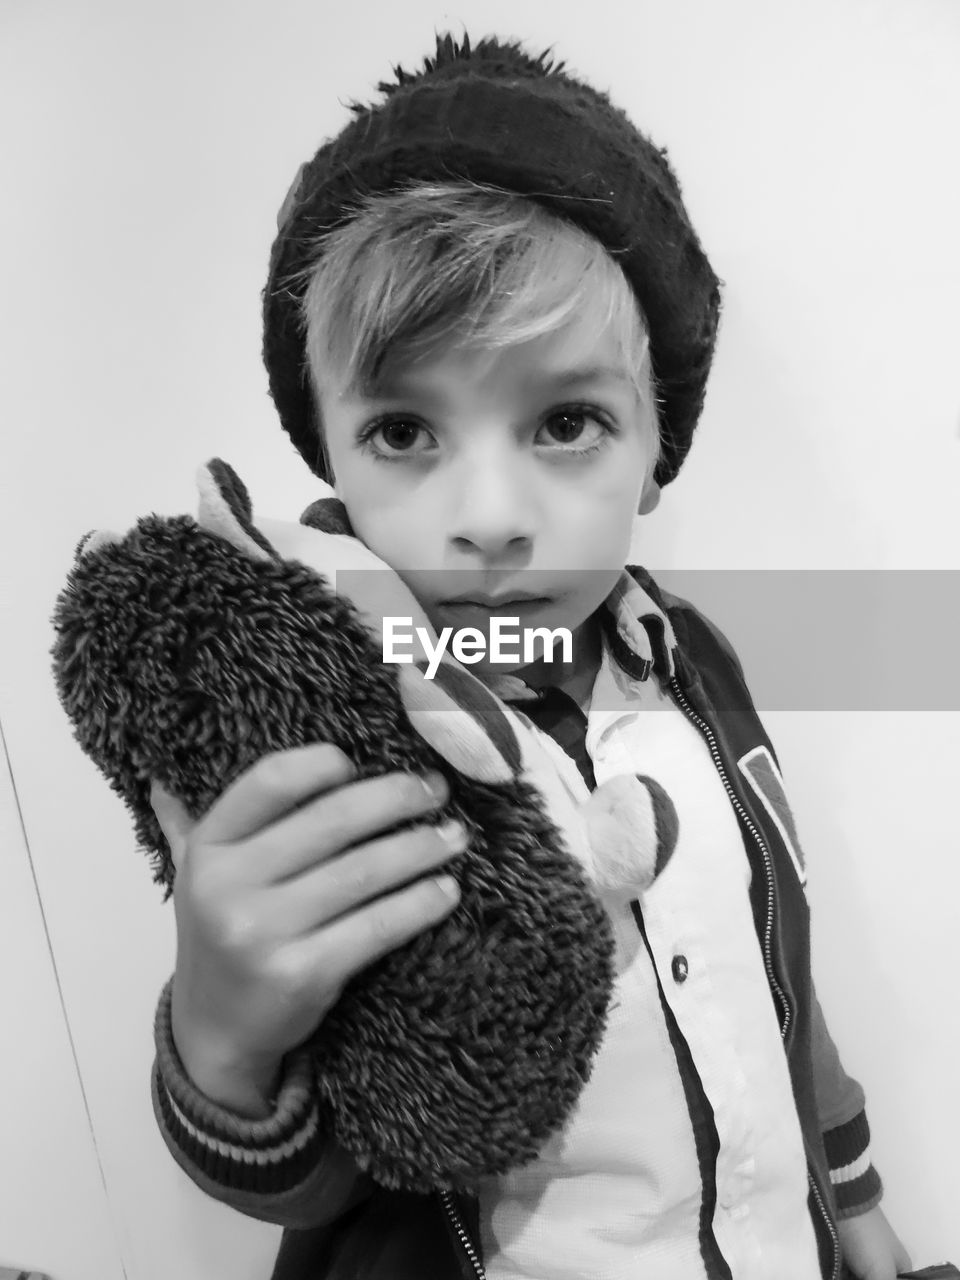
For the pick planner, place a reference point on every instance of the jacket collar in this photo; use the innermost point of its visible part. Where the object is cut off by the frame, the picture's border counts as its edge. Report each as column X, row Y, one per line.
column 637, row 635
column 640, row 633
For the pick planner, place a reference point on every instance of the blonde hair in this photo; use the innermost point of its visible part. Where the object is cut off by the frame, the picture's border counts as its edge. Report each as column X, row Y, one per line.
column 432, row 265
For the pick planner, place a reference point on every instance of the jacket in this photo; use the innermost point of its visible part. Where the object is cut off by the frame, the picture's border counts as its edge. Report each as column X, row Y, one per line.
column 342, row 1226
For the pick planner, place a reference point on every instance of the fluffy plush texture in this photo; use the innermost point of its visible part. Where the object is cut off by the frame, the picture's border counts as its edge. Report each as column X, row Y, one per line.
column 494, row 114
column 187, row 649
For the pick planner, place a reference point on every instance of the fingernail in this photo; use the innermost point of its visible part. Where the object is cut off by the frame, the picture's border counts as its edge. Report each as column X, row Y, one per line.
column 448, row 886
column 436, row 786
column 453, row 834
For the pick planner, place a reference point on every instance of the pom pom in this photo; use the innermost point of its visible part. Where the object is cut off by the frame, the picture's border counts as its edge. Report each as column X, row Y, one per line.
column 632, row 829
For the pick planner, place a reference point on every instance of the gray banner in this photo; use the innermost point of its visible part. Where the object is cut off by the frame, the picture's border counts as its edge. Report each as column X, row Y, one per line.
column 809, row 640
column 836, row 640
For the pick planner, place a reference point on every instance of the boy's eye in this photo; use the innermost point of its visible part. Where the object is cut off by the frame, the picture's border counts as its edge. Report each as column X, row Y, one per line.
column 580, row 427
column 399, row 435
column 394, row 437
column 574, row 431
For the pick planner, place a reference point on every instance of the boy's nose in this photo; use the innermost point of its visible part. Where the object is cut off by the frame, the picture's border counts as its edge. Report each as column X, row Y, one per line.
column 493, row 510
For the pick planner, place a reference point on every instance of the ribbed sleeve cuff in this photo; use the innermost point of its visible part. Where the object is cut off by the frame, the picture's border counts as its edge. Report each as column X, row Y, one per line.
column 269, row 1155
column 856, row 1183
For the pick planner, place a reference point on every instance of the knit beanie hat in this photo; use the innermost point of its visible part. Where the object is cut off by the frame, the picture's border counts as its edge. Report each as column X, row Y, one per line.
column 491, row 113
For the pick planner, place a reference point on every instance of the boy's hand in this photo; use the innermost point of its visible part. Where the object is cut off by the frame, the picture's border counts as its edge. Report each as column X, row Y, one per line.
column 282, row 894
column 870, row 1247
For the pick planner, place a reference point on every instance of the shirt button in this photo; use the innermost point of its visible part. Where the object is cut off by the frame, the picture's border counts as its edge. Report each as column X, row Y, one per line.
column 680, row 968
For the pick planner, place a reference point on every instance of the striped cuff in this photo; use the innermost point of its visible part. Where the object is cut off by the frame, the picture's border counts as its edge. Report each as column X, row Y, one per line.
column 856, row 1183
column 268, row 1155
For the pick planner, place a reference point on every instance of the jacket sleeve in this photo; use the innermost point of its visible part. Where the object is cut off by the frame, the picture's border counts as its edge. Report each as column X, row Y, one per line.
column 282, row 1169
column 843, row 1121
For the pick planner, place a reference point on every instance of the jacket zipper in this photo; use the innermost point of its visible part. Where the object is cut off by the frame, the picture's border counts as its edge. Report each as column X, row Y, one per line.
column 768, row 931
column 462, row 1235
column 835, row 1274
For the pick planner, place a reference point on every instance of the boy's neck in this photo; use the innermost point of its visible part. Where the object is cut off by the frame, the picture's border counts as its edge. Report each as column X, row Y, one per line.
column 574, row 678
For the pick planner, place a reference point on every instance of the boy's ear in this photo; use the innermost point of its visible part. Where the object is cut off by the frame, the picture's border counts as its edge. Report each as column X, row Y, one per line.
column 649, row 498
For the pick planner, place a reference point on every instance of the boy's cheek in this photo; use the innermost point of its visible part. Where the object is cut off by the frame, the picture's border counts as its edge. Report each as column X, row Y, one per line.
column 598, row 545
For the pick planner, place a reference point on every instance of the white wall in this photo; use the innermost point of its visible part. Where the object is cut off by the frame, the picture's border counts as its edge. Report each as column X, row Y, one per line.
column 146, row 149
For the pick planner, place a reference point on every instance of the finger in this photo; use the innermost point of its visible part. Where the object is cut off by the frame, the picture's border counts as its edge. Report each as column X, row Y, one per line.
column 340, row 819
column 174, row 821
column 361, row 938
column 362, row 874
column 274, row 786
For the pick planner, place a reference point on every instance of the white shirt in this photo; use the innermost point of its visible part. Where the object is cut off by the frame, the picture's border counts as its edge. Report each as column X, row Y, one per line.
column 617, row 1193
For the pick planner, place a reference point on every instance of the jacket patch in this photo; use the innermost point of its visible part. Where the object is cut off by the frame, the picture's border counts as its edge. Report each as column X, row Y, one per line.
column 760, row 769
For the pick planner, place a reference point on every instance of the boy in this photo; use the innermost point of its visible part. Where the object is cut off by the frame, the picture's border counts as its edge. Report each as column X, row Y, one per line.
column 490, row 323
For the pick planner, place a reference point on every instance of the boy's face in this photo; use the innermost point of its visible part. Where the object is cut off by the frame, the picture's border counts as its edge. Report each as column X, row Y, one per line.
column 491, row 474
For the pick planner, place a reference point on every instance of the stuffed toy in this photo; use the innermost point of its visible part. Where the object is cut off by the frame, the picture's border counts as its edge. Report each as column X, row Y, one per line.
column 189, row 648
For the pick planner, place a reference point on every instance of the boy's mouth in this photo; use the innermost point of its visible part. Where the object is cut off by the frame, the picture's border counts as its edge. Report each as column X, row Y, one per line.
column 484, row 601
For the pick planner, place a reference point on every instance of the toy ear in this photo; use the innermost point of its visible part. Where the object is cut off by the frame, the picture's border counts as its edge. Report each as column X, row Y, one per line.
column 329, row 515
column 93, row 541
column 225, row 509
